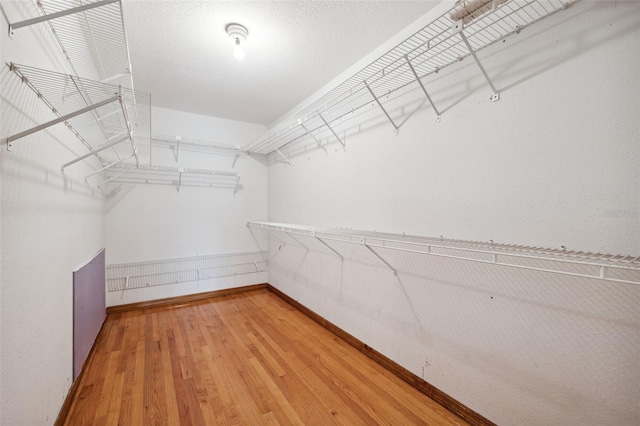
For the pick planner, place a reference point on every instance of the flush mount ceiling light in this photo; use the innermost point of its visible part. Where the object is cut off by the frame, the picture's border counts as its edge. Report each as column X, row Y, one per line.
column 238, row 33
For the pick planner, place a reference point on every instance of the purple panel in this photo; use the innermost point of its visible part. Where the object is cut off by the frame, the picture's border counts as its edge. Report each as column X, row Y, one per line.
column 89, row 308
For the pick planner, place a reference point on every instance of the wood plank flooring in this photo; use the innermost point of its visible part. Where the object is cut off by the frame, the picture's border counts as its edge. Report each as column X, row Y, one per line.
column 246, row 359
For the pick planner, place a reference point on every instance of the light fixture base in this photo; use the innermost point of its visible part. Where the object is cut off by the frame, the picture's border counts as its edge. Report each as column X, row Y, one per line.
column 237, row 31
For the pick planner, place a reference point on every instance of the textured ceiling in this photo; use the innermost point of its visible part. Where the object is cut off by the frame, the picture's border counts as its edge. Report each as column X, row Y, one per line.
column 182, row 55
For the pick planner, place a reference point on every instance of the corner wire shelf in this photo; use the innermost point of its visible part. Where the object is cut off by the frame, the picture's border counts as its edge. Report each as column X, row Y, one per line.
column 605, row 267
column 100, row 110
column 127, row 276
column 465, row 29
column 125, row 173
column 92, row 38
column 181, row 143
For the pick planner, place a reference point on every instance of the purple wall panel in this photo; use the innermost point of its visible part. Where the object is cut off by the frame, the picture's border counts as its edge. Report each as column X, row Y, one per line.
column 89, row 308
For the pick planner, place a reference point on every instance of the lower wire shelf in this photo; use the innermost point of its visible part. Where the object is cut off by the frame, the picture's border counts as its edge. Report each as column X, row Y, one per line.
column 127, row 276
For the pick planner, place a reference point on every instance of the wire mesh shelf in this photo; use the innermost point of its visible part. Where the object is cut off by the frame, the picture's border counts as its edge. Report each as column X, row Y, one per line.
column 90, row 34
column 607, row 267
column 97, row 113
column 181, row 143
column 126, row 276
column 128, row 173
column 469, row 26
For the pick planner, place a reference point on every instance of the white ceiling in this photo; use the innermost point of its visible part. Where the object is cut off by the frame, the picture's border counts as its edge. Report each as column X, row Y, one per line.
column 181, row 54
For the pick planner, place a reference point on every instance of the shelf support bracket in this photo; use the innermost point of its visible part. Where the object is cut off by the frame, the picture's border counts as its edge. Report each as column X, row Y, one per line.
column 176, row 154
column 236, row 187
column 423, row 88
column 116, row 176
column 396, row 129
column 95, row 151
column 395, row 272
column 108, row 166
column 296, row 240
column 275, row 236
column 180, row 171
column 126, row 120
column 236, row 156
column 20, row 135
column 332, row 131
column 458, row 28
column 60, row 14
column 283, row 156
column 314, row 138
column 330, row 248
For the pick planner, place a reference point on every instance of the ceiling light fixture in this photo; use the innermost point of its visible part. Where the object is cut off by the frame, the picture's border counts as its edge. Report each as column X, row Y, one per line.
column 238, row 33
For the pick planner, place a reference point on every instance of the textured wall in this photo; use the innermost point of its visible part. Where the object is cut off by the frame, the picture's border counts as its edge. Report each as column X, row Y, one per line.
column 52, row 224
column 148, row 222
column 555, row 162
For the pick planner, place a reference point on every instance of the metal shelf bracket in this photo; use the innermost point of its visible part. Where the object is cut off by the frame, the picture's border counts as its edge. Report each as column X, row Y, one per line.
column 20, row 135
column 396, row 128
column 237, row 186
column 375, row 253
column 332, row 131
column 415, row 74
column 236, row 156
column 296, row 240
column 97, row 150
column 330, row 248
column 458, row 28
column 315, row 139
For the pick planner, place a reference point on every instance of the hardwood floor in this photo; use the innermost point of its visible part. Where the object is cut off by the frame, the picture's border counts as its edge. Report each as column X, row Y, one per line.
column 247, row 359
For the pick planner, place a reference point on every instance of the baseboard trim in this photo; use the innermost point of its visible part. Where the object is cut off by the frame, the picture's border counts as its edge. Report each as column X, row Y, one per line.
column 183, row 299
column 448, row 402
column 73, row 391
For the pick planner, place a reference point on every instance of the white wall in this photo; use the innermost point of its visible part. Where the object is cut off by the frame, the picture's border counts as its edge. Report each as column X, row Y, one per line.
column 149, row 222
column 555, row 162
column 51, row 225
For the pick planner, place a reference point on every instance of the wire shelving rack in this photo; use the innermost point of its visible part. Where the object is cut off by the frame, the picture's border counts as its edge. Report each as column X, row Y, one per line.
column 126, row 276
column 462, row 31
column 182, row 143
column 605, row 267
column 127, row 173
column 97, row 113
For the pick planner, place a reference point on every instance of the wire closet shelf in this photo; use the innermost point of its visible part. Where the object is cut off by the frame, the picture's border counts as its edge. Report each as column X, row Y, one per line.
column 127, row 276
column 606, row 267
column 468, row 27
column 91, row 110
column 91, row 35
column 128, row 173
column 182, row 143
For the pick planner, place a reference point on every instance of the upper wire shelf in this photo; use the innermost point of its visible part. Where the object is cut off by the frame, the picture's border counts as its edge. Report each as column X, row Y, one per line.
column 607, row 267
column 175, row 176
column 97, row 113
column 469, row 26
column 182, row 143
